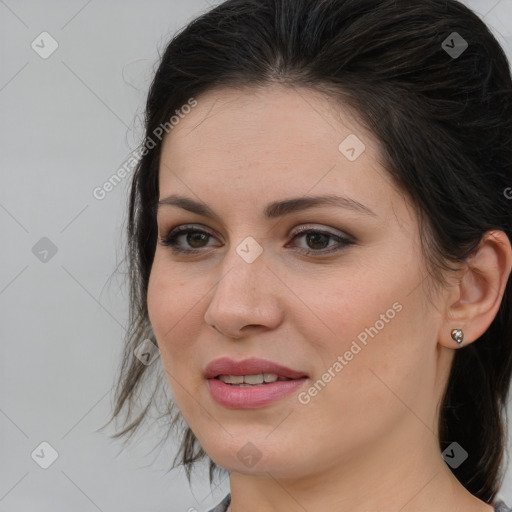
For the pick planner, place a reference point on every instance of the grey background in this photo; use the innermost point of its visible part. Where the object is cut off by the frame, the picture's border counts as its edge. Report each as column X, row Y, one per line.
column 68, row 122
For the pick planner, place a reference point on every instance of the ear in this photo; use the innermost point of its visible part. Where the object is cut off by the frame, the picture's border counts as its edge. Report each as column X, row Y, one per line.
column 474, row 302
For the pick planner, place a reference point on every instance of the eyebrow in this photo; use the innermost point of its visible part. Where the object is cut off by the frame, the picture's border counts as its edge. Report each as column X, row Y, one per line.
column 272, row 210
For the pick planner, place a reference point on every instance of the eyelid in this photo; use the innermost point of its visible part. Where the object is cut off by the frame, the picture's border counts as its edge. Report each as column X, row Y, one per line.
column 184, row 227
column 294, row 232
column 342, row 240
column 322, row 229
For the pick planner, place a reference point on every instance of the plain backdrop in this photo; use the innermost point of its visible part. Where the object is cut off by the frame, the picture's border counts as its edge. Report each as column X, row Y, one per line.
column 69, row 120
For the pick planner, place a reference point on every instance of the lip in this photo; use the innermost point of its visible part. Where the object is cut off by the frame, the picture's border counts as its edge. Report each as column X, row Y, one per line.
column 235, row 397
column 251, row 366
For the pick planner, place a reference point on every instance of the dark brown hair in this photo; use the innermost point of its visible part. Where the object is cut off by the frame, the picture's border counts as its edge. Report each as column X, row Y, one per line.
column 444, row 122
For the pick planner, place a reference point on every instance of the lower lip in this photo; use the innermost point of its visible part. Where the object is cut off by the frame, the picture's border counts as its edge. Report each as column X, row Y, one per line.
column 235, row 397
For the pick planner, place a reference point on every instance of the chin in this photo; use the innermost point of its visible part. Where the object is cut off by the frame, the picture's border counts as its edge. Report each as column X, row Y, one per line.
column 248, row 461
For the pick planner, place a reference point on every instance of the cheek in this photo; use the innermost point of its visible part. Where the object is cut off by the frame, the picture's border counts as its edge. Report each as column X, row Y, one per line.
column 355, row 306
column 391, row 375
column 172, row 312
column 158, row 300
column 169, row 309
column 380, row 330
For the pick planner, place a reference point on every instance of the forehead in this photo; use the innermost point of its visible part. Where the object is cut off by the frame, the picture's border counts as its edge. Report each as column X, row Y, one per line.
column 273, row 119
column 274, row 141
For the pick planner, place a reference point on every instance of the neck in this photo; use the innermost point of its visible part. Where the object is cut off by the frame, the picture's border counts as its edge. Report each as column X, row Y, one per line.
column 408, row 475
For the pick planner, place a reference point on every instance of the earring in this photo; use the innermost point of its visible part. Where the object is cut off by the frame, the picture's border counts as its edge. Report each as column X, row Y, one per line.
column 457, row 335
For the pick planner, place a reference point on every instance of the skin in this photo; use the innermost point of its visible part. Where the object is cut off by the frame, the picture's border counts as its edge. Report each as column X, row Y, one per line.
column 368, row 439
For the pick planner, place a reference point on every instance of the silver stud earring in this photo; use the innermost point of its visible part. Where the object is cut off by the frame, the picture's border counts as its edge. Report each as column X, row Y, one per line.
column 457, row 335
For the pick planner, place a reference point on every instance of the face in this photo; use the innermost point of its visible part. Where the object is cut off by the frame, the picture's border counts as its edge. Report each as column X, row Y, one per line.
column 331, row 290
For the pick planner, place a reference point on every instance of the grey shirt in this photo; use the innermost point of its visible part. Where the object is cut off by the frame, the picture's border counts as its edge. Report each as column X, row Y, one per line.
column 499, row 506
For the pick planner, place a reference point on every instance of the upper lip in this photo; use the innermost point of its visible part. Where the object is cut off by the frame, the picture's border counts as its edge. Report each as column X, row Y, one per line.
column 252, row 366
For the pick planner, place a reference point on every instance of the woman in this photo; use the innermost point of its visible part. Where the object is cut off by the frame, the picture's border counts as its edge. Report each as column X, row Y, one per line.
column 319, row 246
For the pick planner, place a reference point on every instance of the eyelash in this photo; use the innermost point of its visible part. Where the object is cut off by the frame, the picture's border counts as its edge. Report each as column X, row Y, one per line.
column 171, row 240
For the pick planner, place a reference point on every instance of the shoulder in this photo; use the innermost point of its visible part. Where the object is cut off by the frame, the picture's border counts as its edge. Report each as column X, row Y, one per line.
column 499, row 506
column 224, row 504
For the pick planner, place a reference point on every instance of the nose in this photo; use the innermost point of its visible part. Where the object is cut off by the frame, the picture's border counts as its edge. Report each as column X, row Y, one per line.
column 245, row 299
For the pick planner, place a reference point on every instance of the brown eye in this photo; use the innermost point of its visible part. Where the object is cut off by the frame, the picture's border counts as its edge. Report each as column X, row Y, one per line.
column 194, row 238
column 317, row 241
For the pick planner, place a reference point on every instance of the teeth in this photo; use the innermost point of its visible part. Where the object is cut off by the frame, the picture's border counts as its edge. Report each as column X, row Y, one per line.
column 232, row 379
column 253, row 379
column 250, row 380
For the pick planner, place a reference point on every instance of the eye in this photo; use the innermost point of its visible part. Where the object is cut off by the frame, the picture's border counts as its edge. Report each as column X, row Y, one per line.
column 196, row 239
column 319, row 239
column 193, row 236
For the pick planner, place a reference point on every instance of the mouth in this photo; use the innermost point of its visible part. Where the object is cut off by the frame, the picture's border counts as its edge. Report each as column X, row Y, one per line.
column 251, row 380
column 251, row 383
column 250, row 372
